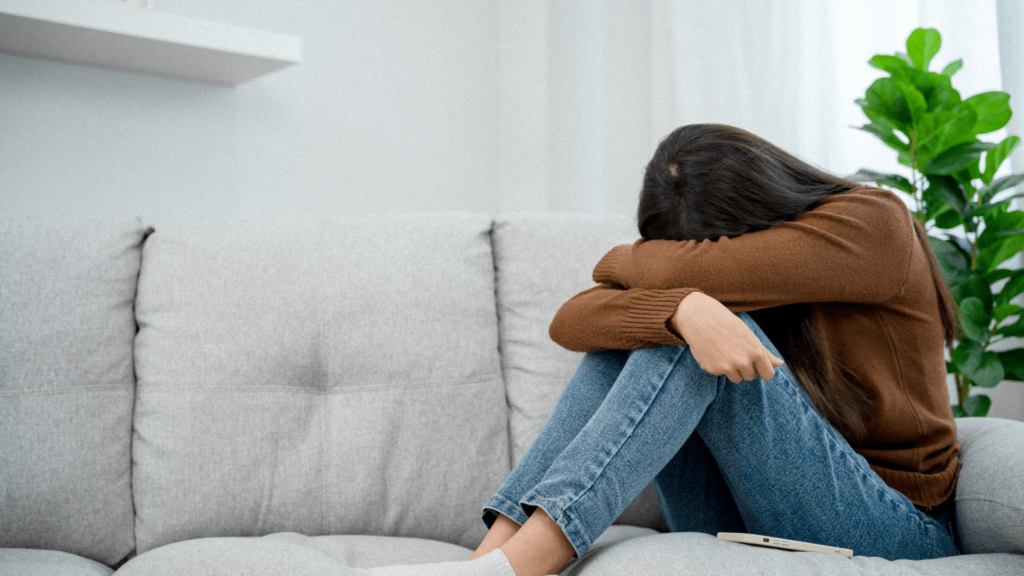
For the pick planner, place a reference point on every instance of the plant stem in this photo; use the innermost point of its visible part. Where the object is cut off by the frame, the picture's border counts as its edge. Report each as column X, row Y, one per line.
column 913, row 175
column 963, row 388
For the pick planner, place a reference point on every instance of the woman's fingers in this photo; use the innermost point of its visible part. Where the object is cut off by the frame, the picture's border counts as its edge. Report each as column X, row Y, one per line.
column 766, row 365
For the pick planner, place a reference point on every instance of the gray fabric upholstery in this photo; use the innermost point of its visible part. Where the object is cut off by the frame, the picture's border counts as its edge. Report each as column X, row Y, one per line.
column 689, row 553
column 234, row 556
column 23, row 562
column 371, row 551
column 67, row 288
column 990, row 491
column 291, row 553
column 318, row 377
column 541, row 260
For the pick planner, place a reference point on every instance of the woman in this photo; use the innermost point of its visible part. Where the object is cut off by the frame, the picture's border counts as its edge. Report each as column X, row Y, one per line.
column 747, row 256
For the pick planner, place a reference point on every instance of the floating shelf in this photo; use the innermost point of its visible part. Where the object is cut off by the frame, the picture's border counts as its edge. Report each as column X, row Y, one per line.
column 144, row 41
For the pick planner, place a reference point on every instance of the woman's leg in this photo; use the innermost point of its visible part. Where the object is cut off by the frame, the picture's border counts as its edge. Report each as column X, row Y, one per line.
column 693, row 494
column 790, row 474
column 581, row 397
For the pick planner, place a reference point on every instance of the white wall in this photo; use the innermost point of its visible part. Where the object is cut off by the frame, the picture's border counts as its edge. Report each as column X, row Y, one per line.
column 392, row 109
column 480, row 105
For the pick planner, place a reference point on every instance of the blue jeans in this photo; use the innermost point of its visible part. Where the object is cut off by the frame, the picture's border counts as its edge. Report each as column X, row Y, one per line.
column 762, row 460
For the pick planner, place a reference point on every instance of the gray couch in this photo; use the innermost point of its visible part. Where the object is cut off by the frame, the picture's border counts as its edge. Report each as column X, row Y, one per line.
column 315, row 397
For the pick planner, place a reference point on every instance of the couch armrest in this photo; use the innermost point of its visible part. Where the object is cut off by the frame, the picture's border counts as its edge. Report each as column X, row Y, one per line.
column 990, row 491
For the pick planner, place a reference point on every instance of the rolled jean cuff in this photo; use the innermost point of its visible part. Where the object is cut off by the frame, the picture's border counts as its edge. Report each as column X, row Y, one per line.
column 561, row 518
column 498, row 504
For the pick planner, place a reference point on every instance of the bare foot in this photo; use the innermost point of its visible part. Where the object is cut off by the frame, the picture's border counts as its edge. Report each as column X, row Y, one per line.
column 501, row 531
column 538, row 549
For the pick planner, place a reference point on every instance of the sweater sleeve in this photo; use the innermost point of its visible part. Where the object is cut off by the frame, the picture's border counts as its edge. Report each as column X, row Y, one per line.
column 608, row 317
column 853, row 247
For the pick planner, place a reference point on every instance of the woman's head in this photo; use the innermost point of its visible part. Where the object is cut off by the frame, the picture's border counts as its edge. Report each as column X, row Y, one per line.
column 710, row 180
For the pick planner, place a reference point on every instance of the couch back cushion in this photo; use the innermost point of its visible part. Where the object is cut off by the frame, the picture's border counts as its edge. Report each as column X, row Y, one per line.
column 318, row 377
column 67, row 385
column 541, row 260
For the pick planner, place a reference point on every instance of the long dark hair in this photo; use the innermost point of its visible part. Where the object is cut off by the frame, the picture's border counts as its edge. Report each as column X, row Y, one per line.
column 710, row 180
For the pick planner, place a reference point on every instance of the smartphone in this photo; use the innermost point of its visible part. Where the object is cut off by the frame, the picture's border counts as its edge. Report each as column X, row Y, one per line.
column 771, row 542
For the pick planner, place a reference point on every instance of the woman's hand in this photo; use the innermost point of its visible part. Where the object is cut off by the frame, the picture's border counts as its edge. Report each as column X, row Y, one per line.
column 720, row 342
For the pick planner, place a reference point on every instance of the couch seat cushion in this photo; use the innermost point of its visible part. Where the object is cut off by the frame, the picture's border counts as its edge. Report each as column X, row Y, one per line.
column 689, row 553
column 25, row 562
column 295, row 554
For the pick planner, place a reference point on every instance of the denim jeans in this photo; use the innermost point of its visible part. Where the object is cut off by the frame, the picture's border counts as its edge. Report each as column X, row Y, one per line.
column 762, row 460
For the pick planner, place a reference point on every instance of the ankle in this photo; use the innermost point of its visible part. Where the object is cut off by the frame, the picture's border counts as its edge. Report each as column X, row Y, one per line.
column 540, row 548
column 502, row 530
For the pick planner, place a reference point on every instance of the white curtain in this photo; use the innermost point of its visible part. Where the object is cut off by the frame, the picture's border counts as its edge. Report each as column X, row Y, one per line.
column 589, row 87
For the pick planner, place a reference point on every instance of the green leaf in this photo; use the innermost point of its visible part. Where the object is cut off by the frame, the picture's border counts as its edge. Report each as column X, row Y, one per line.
column 950, row 367
column 977, row 405
column 975, row 319
column 1003, row 237
column 892, row 64
column 995, row 157
column 998, row 274
column 944, row 129
column 1004, row 311
column 1003, row 183
column 955, row 265
column 950, row 192
column 990, row 373
column 1007, row 249
column 1013, row 363
column 1014, row 330
column 893, row 180
column 957, row 158
column 983, row 368
column 952, row 67
column 1013, row 288
column 886, row 103
column 976, row 287
column 985, row 209
column 922, row 45
column 967, row 355
column 887, row 136
column 993, row 110
column 947, row 218
column 941, row 96
column 915, row 99
column 958, row 412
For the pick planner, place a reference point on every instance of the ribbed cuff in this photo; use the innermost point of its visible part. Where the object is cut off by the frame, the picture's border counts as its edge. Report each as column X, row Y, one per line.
column 607, row 270
column 923, row 489
column 647, row 318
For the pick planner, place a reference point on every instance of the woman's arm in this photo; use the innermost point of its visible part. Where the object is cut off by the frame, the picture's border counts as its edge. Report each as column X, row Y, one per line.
column 853, row 247
column 611, row 317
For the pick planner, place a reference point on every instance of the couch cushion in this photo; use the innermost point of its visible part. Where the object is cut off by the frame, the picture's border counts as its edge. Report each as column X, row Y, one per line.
column 67, row 289
column 990, row 490
column 295, row 554
column 233, row 556
column 541, row 260
column 25, row 562
column 690, row 553
column 319, row 377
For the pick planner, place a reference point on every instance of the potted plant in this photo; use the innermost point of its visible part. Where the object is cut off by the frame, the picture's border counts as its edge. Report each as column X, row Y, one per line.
column 919, row 114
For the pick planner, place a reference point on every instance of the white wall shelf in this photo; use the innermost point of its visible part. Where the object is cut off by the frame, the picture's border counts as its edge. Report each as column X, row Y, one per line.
column 144, row 41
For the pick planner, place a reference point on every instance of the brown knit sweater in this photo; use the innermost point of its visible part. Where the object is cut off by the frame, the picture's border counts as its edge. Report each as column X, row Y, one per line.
column 856, row 258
